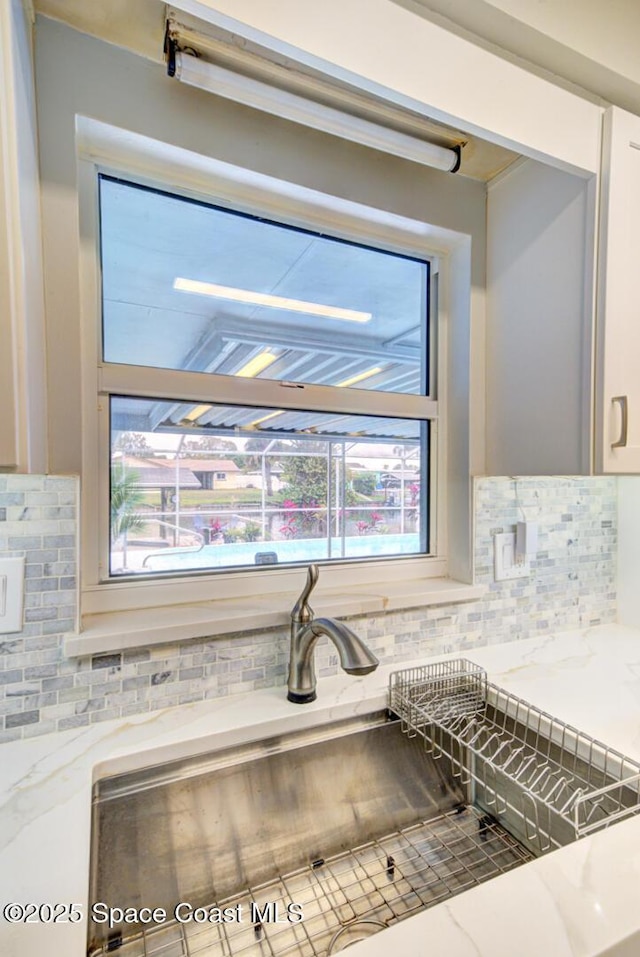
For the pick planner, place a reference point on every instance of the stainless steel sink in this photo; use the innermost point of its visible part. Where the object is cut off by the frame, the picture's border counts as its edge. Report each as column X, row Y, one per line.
column 310, row 842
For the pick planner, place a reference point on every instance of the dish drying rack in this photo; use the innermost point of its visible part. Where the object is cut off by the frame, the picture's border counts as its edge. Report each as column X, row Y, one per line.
column 546, row 781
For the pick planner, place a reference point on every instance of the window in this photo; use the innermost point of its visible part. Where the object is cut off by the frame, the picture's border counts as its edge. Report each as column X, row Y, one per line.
column 267, row 386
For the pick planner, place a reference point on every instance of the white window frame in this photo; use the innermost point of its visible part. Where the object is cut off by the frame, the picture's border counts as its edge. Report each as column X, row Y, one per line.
column 139, row 160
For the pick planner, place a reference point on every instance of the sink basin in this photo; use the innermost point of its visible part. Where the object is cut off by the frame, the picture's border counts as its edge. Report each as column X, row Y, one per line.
column 301, row 844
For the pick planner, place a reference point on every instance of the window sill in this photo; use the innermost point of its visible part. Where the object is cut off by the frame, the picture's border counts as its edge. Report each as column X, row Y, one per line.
column 141, row 628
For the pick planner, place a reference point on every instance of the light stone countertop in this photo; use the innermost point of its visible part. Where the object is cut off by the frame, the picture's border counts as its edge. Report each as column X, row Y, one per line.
column 581, row 900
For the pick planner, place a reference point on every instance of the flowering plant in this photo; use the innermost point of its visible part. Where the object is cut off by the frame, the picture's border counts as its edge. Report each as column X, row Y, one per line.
column 289, row 529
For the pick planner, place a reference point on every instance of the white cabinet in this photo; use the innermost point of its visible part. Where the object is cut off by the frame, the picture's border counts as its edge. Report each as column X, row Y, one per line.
column 618, row 323
column 8, row 423
column 22, row 358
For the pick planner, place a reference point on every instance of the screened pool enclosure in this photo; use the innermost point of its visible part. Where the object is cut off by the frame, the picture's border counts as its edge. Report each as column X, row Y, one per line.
column 317, row 488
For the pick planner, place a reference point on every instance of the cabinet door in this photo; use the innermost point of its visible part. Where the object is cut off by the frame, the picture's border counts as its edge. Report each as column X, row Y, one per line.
column 618, row 327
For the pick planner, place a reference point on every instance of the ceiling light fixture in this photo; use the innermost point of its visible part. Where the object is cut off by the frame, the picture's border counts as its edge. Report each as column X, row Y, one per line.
column 252, row 298
column 256, row 365
column 205, row 75
column 360, row 377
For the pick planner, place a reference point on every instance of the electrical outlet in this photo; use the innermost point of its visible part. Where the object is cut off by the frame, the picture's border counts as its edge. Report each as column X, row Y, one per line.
column 506, row 565
column 11, row 594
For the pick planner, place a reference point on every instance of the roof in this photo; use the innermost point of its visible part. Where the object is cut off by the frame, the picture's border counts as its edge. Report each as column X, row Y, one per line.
column 209, row 465
column 158, row 473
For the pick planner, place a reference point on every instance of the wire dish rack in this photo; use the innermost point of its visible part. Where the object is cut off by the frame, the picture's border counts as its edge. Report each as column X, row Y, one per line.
column 347, row 897
column 547, row 782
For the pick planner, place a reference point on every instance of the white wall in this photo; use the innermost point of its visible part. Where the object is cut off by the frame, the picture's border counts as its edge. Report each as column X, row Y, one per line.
column 137, row 25
column 590, row 42
column 539, row 316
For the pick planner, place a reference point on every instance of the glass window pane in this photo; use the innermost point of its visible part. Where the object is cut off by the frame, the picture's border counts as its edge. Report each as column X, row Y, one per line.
column 189, row 286
column 238, row 486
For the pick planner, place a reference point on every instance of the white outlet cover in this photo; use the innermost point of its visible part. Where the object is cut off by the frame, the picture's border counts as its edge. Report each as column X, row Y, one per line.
column 12, row 592
column 504, row 555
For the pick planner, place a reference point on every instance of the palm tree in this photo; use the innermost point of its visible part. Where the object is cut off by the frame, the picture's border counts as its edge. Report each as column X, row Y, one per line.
column 255, row 462
column 126, row 499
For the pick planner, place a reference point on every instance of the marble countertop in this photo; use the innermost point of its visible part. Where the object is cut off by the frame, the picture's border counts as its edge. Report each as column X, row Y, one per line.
column 576, row 902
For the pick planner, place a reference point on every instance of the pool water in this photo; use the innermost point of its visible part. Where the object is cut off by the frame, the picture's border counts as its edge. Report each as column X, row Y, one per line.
column 296, row 550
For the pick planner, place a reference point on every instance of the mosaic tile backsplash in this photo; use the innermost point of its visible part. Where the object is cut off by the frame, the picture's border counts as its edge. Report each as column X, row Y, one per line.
column 572, row 584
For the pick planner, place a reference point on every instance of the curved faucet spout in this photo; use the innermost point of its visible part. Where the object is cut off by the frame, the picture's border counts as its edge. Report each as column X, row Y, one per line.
column 355, row 657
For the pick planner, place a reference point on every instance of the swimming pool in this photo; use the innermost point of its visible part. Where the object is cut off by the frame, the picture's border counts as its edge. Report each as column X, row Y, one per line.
column 296, row 550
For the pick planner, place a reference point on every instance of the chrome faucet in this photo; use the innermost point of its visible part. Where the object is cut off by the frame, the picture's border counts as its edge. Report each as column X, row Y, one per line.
column 355, row 657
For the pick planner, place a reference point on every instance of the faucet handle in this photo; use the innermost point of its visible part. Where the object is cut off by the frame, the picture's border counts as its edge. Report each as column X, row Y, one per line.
column 302, row 611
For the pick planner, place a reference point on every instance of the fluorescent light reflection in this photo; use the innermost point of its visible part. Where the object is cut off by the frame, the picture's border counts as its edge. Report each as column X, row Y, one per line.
column 273, row 302
column 361, row 377
column 197, row 412
column 256, row 365
column 264, row 418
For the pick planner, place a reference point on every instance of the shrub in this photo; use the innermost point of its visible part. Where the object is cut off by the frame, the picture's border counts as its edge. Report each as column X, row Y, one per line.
column 364, row 484
column 252, row 532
